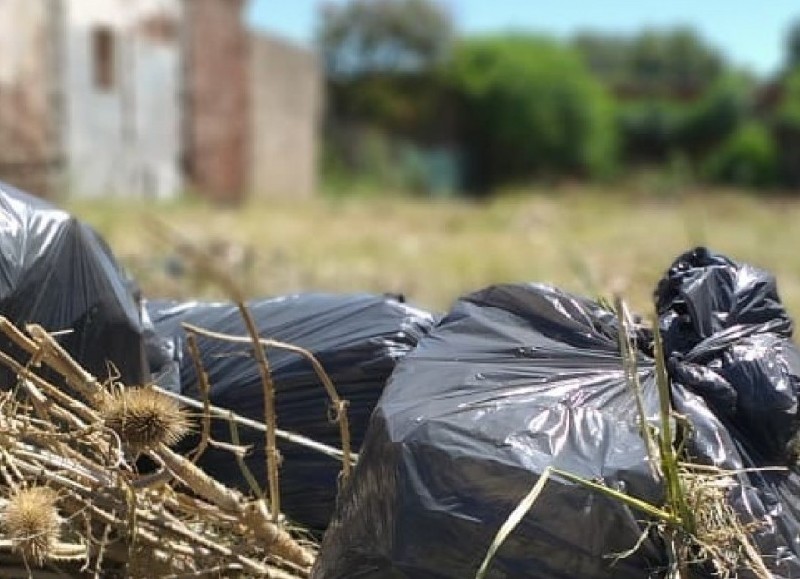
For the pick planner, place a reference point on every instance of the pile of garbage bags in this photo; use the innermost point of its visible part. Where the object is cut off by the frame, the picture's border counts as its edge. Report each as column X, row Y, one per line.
column 56, row 271
column 358, row 339
column 517, row 378
column 455, row 418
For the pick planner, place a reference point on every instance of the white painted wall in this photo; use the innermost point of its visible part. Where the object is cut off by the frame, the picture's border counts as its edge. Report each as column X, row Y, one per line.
column 125, row 141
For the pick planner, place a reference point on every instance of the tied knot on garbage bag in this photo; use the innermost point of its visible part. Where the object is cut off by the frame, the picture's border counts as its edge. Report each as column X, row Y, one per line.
column 729, row 341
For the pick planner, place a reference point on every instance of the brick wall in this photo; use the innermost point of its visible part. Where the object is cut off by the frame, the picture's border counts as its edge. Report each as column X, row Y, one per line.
column 216, row 99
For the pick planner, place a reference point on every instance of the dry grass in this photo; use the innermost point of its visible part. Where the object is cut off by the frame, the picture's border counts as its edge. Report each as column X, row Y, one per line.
column 585, row 240
column 73, row 499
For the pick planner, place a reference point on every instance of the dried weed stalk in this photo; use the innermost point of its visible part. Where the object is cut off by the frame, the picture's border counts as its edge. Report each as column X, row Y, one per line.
column 72, row 499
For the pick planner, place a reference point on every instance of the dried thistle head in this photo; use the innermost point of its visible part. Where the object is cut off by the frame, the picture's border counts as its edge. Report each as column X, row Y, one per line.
column 144, row 418
column 31, row 522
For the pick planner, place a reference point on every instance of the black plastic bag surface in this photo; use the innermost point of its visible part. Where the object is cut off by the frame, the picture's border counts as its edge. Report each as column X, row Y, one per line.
column 736, row 376
column 57, row 272
column 357, row 338
column 515, row 379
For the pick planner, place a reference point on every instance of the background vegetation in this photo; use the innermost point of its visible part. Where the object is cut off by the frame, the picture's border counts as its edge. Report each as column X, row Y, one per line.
column 592, row 163
column 416, row 106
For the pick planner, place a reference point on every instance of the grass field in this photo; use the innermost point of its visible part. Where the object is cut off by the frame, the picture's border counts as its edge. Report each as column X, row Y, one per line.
column 592, row 241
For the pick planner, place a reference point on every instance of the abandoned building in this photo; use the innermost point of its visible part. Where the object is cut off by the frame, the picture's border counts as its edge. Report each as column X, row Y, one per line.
column 150, row 98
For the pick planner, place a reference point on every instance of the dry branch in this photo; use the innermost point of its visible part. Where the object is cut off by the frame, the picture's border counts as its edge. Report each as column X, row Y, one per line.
column 339, row 406
column 77, row 452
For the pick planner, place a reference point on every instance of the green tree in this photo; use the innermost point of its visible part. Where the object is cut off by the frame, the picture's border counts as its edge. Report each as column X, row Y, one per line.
column 606, row 56
column 383, row 36
column 382, row 59
column 691, row 65
column 650, row 129
column 533, row 109
column 674, row 94
column 788, row 111
column 385, row 95
column 793, row 46
column 717, row 114
column 786, row 126
column 748, row 157
column 655, row 63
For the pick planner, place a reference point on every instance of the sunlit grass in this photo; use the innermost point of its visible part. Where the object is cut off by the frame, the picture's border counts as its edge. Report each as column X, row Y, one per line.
column 588, row 240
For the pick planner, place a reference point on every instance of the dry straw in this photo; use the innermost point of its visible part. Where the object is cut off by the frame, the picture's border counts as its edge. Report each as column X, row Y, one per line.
column 71, row 497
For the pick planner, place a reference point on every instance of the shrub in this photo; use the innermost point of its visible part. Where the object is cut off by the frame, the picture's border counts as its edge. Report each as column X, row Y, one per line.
column 650, row 129
column 717, row 115
column 532, row 109
column 749, row 157
column 786, row 122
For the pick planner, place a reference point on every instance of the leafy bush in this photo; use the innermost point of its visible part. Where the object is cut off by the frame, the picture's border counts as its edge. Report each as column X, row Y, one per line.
column 749, row 157
column 664, row 63
column 654, row 129
column 787, row 114
column 532, row 109
column 717, row 114
column 650, row 129
column 786, row 123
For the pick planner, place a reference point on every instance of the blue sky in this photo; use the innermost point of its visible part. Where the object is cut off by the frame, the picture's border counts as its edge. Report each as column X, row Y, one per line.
column 749, row 33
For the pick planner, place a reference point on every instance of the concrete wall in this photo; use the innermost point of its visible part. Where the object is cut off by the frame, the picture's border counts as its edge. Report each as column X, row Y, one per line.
column 216, row 122
column 30, row 151
column 286, row 88
column 124, row 138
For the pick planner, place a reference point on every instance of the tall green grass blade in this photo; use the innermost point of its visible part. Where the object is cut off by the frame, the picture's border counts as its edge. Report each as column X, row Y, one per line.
column 631, row 370
column 512, row 521
column 633, row 502
column 669, row 459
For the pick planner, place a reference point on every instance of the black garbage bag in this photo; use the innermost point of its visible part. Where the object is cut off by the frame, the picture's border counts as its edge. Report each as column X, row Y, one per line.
column 736, row 376
column 518, row 378
column 57, row 272
column 515, row 379
column 357, row 338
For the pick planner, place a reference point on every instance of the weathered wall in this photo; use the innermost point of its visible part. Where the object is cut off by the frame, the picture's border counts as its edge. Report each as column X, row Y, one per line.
column 174, row 106
column 30, row 154
column 216, row 122
column 287, row 100
column 124, row 138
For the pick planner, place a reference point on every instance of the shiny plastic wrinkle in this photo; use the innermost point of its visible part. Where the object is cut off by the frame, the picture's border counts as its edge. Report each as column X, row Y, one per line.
column 57, row 272
column 514, row 379
column 704, row 294
column 357, row 338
